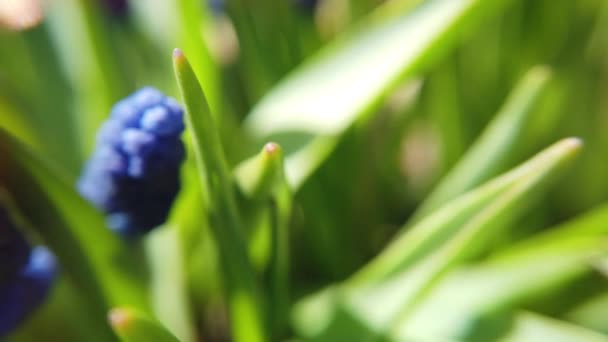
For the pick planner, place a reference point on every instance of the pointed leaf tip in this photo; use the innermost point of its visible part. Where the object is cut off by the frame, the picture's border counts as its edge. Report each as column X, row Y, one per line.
column 272, row 148
column 178, row 55
column 132, row 325
column 259, row 175
column 119, row 318
column 573, row 143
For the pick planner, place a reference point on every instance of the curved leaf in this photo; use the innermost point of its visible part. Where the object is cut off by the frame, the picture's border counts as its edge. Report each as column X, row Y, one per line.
column 351, row 76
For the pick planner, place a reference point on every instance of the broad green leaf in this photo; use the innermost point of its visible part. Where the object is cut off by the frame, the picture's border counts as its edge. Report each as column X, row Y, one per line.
column 534, row 327
column 489, row 153
column 410, row 271
column 216, row 182
column 134, row 326
column 96, row 260
column 350, row 77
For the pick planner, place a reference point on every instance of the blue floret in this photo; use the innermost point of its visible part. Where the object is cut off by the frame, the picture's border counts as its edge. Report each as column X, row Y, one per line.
column 23, row 294
column 133, row 175
column 26, row 275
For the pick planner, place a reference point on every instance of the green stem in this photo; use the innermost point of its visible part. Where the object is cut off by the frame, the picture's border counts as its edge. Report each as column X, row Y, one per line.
column 279, row 294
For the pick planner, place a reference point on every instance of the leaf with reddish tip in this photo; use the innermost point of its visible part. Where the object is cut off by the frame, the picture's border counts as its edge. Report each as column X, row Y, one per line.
column 217, row 184
column 260, row 174
column 134, row 326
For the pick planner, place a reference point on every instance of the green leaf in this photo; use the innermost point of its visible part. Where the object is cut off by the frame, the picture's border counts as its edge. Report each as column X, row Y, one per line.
column 258, row 176
column 17, row 124
column 89, row 62
column 134, row 326
column 262, row 179
column 442, row 224
column 192, row 17
column 393, row 284
column 472, row 297
column 489, row 153
column 98, row 263
column 592, row 314
column 475, row 301
column 169, row 288
column 216, row 181
column 580, row 231
column 534, row 327
column 352, row 76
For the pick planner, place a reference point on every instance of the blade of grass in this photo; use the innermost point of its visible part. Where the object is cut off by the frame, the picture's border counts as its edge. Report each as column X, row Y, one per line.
column 521, row 274
column 490, row 152
column 243, row 296
column 434, row 229
column 468, row 299
column 413, row 262
column 472, row 235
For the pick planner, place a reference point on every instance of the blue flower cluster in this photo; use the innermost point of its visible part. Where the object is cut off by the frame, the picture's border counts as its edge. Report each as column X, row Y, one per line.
column 26, row 275
column 133, row 175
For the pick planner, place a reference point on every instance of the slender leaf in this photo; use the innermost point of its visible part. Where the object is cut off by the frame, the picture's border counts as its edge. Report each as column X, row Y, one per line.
column 193, row 16
column 262, row 178
column 472, row 297
column 416, row 269
column 489, row 153
column 436, row 228
column 77, row 30
column 258, row 176
column 352, row 75
column 533, row 327
column 215, row 179
column 134, row 326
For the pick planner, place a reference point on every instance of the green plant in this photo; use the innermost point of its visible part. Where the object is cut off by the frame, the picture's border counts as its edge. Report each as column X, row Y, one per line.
column 345, row 178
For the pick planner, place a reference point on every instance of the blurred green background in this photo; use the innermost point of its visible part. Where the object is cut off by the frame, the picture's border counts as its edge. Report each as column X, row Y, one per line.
column 60, row 77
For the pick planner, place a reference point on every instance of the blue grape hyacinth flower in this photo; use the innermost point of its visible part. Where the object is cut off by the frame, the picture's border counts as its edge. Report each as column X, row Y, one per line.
column 26, row 276
column 133, row 174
